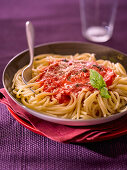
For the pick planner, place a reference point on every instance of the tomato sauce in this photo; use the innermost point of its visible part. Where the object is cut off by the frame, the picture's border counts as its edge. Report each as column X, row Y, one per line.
column 63, row 77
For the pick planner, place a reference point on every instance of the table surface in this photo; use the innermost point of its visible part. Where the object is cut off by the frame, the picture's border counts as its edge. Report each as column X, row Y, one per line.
column 57, row 20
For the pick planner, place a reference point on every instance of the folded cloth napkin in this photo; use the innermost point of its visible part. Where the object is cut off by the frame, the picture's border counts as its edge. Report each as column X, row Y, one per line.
column 62, row 133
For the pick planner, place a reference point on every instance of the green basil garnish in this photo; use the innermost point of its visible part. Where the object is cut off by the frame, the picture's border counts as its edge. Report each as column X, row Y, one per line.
column 97, row 81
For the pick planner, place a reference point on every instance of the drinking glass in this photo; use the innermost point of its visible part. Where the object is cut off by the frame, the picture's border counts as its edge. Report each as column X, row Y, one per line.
column 97, row 19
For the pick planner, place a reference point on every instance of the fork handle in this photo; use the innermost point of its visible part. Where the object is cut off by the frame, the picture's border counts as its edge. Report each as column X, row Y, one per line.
column 30, row 40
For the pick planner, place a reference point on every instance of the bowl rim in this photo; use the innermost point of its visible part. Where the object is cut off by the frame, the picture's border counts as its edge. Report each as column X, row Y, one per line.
column 40, row 114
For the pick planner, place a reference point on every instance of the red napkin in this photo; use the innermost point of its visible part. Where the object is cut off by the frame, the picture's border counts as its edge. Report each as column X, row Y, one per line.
column 61, row 133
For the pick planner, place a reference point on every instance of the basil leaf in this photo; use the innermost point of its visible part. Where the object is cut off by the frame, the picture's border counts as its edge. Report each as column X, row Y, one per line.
column 104, row 92
column 96, row 80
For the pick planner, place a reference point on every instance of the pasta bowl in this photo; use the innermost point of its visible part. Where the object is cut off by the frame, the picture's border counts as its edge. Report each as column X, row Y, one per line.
column 62, row 48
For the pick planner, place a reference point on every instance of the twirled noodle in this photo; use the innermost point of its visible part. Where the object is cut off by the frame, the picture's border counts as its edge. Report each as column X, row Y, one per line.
column 85, row 105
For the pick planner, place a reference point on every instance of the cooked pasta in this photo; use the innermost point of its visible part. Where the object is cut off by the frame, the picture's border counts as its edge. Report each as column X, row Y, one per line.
column 62, row 87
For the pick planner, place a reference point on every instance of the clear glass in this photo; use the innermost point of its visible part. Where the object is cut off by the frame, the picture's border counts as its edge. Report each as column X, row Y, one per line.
column 97, row 19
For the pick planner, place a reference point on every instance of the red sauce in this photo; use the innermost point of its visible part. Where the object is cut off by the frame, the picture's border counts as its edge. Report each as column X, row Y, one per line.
column 64, row 77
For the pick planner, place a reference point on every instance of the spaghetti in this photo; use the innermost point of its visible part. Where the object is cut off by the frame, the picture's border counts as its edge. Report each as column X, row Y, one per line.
column 62, row 87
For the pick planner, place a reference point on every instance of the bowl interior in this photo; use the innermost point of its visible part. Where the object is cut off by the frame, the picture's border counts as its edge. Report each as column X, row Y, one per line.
column 63, row 48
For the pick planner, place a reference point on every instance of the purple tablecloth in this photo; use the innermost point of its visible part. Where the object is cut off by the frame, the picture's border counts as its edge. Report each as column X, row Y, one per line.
column 56, row 20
